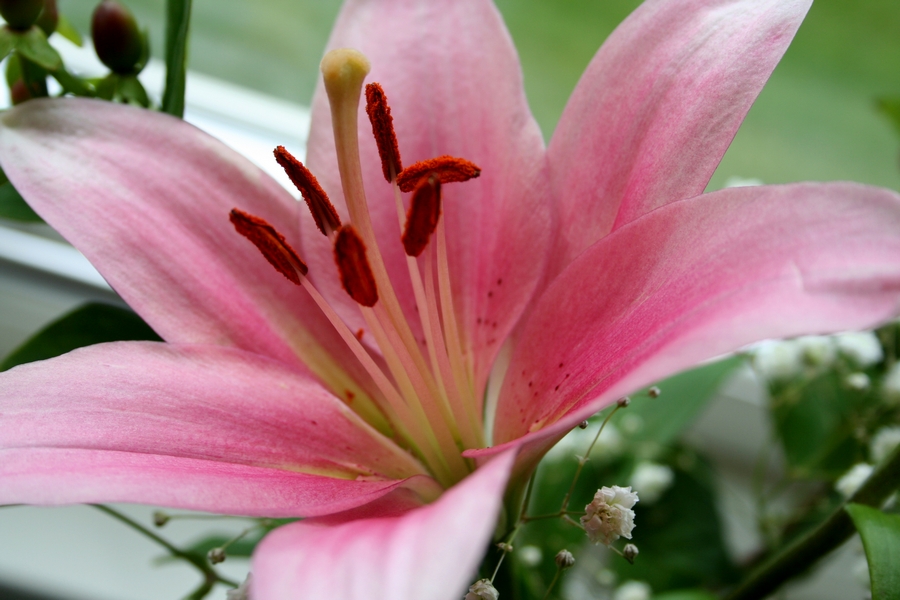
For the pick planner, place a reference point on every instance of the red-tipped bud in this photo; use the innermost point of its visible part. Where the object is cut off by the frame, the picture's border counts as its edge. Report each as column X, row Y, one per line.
column 422, row 217
column 117, row 40
column 383, row 129
column 327, row 219
column 19, row 92
column 49, row 17
column 356, row 274
column 448, row 169
column 270, row 243
column 21, row 14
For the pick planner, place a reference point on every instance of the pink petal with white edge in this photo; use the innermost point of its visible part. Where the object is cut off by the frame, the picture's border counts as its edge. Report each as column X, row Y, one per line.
column 224, row 407
column 146, row 198
column 429, row 553
column 658, row 106
column 697, row 279
column 454, row 84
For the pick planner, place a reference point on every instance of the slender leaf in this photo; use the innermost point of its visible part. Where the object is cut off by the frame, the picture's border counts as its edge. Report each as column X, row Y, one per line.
column 33, row 45
column 91, row 323
column 7, row 42
column 178, row 17
column 880, row 534
column 14, row 207
column 70, row 83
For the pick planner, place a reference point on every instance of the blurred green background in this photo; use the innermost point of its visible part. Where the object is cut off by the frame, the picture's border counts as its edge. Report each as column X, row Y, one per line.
column 814, row 121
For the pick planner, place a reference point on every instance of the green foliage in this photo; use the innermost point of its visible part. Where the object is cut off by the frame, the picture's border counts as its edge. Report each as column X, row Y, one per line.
column 65, row 28
column 89, row 324
column 32, row 45
column 880, row 534
column 178, row 18
column 890, row 108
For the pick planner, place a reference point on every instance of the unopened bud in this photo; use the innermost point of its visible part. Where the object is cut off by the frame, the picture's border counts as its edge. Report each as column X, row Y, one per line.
column 160, row 518
column 117, row 40
column 21, row 14
column 505, row 547
column 216, row 555
column 49, row 18
column 623, row 401
column 564, row 559
column 654, row 392
column 630, row 552
column 483, row 589
column 583, row 425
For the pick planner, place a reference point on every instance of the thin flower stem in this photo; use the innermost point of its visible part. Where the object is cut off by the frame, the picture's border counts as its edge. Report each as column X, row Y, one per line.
column 583, row 460
column 809, row 548
column 210, row 574
column 552, row 583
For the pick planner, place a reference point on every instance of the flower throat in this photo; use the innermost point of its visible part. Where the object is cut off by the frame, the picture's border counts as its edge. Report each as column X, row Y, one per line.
column 424, row 400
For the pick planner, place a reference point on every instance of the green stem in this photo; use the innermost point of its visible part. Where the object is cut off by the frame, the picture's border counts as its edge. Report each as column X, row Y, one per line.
column 178, row 20
column 210, row 575
column 803, row 552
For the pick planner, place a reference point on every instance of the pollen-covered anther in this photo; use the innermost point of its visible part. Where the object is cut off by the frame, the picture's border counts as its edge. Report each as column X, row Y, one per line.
column 422, row 217
column 323, row 212
column 356, row 274
column 270, row 243
column 383, row 129
column 448, row 169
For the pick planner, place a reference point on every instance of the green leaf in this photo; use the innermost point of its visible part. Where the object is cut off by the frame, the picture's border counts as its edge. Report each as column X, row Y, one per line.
column 89, row 324
column 14, row 207
column 178, row 19
column 13, row 70
column 71, row 84
column 683, row 397
column 890, row 107
column 7, row 41
column 65, row 28
column 132, row 92
column 881, row 538
column 33, row 45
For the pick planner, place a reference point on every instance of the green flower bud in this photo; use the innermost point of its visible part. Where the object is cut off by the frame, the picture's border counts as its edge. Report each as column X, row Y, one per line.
column 49, row 18
column 117, row 40
column 21, row 14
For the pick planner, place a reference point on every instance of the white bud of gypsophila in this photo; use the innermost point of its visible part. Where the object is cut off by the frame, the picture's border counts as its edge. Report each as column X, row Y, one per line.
column 630, row 552
column 858, row 381
column 633, row 590
column 883, row 443
column 861, row 347
column 564, row 559
column 216, row 556
column 623, row 401
column 650, row 480
column 654, row 392
column 609, row 515
column 483, row 589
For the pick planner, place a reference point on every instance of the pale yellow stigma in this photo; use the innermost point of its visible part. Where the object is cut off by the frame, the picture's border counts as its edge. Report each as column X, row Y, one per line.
column 343, row 71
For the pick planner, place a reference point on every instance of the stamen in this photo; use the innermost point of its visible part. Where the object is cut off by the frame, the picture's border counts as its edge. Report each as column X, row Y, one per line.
column 326, row 217
column 271, row 243
column 448, row 169
column 423, row 215
column 383, row 129
column 356, row 274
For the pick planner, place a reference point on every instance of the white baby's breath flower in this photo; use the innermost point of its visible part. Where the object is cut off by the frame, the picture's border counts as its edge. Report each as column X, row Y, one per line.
column 817, row 350
column 778, row 361
column 633, row 590
column 861, row 347
column 858, row 381
column 530, row 556
column 483, row 589
column 650, row 480
column 853, row 479
column 883, row 443
column 609, row 515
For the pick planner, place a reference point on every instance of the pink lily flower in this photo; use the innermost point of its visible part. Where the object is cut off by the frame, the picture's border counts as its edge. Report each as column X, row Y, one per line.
column 566, row 275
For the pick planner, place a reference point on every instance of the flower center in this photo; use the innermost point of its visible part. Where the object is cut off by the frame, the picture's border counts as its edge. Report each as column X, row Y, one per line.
column 425, row 397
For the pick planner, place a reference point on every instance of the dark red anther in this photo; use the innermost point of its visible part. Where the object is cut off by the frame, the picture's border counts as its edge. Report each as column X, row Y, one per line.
column 383, row 129
column 327, row 219
column 271, row 243
column 448, row 169
column 356, row 274
column 422, row 217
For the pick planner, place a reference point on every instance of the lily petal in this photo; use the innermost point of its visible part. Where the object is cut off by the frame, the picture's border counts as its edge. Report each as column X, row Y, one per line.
column 146, row 198
column 103, row 411
column 658, row 106
column 454, row 84
column 698, row 278
column 429, row 553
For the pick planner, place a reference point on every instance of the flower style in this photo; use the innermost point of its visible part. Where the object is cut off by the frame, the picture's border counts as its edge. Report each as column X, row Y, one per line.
column 566, row 276
column 609, row 516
